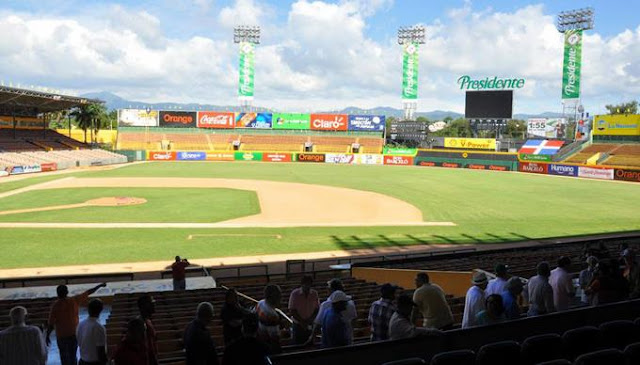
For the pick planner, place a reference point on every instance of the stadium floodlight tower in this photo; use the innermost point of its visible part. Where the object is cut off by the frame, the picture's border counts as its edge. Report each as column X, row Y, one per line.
column 572, row 23
column 410, row 38
column 247, row 37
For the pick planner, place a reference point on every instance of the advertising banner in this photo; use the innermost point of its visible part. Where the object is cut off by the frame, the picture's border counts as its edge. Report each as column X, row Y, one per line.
column 541, row 158
column 572, row 64
column 291, row 121
column 246, row 70
column 429, row 163
column 593, row 173
column 399, row 151
column 329, row 122
column 627, row 175
column 137, row 118
column 617, row 125
column 216, row 120
column 533, row 167
column 311, row 157
column 563, row 170
column 4, row 173
column 27, row 169
column 7, row 121
column 366, row 122
column 178, row 119
column 191, row 156
column 253, row 120
column 470, row 143
column 547, row 127
column 220, row 156
column 398, row 160
column 50, row 166
column 248, row 156
column 410, row 71
column 367, row 159
column 276, row 157
column 161, row 155
column 477, row 166
column 339, row 158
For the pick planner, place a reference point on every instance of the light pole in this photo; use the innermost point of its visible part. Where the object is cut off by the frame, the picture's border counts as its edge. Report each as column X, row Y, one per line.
column 572, row 23
column 410, row 38
column 247, row 37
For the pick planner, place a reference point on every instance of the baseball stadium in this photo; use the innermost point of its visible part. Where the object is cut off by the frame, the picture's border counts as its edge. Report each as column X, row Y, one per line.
column 370, row 211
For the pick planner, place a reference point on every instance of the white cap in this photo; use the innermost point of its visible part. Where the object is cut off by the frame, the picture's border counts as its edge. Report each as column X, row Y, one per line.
column 339, row 296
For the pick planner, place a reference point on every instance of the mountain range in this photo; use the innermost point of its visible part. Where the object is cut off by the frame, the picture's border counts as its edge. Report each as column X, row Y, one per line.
column 113, row 101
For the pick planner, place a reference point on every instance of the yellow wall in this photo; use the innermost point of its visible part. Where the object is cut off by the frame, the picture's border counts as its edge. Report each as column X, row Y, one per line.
column 455, row 283
column 104, row 136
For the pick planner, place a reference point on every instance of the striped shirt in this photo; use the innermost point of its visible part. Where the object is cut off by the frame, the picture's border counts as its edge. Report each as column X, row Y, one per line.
column 22, row 345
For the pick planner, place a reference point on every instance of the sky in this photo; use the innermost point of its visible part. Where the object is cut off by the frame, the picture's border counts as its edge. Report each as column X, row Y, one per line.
column 315, row 55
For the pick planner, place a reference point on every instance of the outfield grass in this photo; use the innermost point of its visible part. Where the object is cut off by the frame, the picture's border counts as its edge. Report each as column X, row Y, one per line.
column 487, row 207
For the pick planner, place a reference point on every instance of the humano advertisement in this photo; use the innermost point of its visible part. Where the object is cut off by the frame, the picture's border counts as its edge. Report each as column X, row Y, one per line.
column 329, row 122
column 563, row 170
column 291, row 121
column 366, row 122
column 572, row 64
column 254, row 120
column 216, row 120
column 178, row 119
column 137, row 118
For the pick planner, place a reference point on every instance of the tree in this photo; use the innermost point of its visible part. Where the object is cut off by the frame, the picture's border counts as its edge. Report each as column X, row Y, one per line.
column 422, row 119
column 90, row 116
column 457, row 128
column 629, row 107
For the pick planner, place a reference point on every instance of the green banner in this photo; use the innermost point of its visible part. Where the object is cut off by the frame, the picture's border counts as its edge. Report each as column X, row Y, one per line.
column 410, row 71
column 248, row 156
column 247, row 55
column 572, row 64
column 399, row 151
column 528, row 157
column 290, row 121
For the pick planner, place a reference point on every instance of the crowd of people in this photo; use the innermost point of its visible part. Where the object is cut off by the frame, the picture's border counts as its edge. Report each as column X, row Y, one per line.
column 251, row 334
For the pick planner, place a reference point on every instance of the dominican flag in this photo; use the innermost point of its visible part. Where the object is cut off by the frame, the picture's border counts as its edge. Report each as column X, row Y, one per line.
column 541, row 147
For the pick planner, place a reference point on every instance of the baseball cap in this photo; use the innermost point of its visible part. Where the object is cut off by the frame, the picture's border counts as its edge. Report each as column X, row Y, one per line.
column 339, row 296
column 479, row 278
column 501, row 269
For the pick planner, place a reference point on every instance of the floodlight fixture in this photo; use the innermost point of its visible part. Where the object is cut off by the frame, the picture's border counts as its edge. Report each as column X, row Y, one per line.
column 246, row 33
column 579, row 19
column 412, row 34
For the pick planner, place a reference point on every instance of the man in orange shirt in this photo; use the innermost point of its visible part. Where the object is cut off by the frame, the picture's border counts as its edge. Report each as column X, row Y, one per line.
column 178, row 273
column 64, row 318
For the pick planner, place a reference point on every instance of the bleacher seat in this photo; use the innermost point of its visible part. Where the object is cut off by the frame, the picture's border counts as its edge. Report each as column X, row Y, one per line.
column 601, row 357
column 409, row 361
column 555, row 362
column 619, row 334
column 581, row 340
column 499, row 353
column 458, row 357
column 542, row 348
column 632, row 353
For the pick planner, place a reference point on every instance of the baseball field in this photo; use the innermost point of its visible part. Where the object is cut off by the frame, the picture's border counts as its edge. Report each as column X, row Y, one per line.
column 153, row 211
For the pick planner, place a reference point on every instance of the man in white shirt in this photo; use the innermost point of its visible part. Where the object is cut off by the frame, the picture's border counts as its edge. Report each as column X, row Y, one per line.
column 498, row 285
column 475, row 299
column 539, row 293
column 92, row 337
column 21, row 344
column 562, row 284
column 348, row 315
column 400, row 325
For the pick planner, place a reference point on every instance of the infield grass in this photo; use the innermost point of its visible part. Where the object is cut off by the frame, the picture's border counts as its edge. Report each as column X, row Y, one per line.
column 487, row 207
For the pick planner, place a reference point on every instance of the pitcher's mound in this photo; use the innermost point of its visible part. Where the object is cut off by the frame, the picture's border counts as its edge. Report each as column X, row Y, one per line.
column 116, row 201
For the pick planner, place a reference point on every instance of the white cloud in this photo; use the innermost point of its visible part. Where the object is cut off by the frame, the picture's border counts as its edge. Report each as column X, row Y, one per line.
column 243, row 12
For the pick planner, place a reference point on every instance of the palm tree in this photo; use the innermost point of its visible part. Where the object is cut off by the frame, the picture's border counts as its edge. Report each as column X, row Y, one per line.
column 90, row 116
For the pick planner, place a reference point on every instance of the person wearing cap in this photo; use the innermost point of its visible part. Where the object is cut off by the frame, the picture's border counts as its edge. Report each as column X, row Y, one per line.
column 401, row 326
column 199, row 347
column 334, row 329
column 21, row 344
column 303, row 305
column 147, row 308
column 496, row 285
column 381, row 311
column 586, row 277
column 539, row 293
column 431, row 301
column 348, row 315
column 474, row 302
column 510, row 297
column 562, row 285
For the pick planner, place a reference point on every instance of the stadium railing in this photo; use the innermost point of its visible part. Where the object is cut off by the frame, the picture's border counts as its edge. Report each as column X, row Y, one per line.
column 67, row 279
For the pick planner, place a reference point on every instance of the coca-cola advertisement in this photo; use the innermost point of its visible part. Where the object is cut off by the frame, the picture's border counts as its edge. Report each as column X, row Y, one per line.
column 178, row 119
column 216, row 120
column 329, row 122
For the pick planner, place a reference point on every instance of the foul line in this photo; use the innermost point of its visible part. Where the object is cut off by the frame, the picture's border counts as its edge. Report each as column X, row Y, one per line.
column 221, row 225
column 192, row 236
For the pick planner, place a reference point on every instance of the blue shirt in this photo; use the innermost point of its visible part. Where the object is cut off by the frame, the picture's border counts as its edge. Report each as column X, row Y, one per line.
column 511, row 308
column 334, row 330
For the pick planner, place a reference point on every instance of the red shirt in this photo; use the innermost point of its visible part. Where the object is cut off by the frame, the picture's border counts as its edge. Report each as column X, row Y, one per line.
column 177, row 270
column 129, row 353
column 152, row 342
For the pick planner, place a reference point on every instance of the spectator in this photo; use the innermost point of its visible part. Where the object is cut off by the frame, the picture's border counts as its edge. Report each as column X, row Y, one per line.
column 247, row 350
column 586, row 277
column 92, row 337
column 562, row 285
column 334, row 330
column 231, row 314
column 497, row 285
column 510, row 298
column 400, row 325
column 539, row 293
column 475, row 299
column 269, row 319
column 21, row 344
column 64, row 318
column 631, row 273
column 132, row 349
column 348, row 315
column 199, row 347
column 303, row 305
column 430, row 300
column 147, row 308
column 494, row 312
column 609, row 286
column 381, row 311
column 178, row 273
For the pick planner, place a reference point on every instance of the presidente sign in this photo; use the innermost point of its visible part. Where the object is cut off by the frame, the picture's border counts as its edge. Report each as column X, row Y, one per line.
column 572, row 64
column 467, row 83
